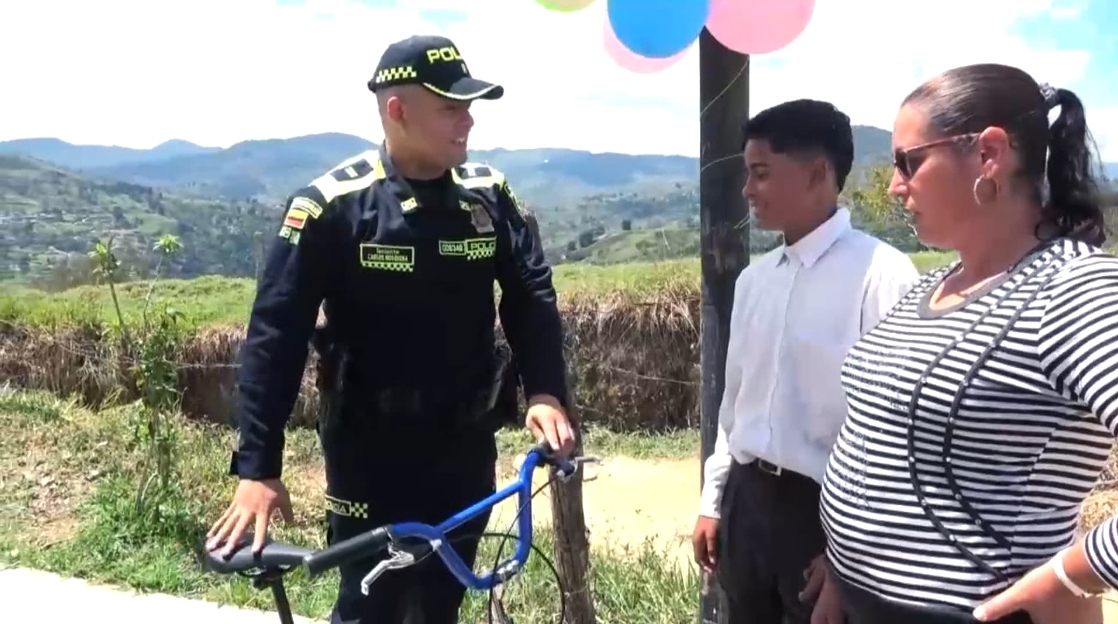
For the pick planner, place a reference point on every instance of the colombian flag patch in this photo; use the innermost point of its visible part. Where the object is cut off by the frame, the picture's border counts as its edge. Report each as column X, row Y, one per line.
column 296, row 218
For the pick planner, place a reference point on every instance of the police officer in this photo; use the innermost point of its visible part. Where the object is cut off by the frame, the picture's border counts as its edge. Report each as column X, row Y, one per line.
column 401, row 247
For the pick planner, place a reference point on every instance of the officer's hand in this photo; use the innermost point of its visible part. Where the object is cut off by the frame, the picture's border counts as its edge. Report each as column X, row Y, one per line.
column 704, row 542
column 253, row 503
column 547, row 421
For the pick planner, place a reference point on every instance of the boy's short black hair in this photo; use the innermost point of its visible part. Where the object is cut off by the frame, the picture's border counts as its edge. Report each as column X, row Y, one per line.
column 806, row 128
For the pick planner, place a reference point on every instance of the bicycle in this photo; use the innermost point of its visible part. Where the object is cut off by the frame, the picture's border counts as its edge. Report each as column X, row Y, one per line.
column 276, row 559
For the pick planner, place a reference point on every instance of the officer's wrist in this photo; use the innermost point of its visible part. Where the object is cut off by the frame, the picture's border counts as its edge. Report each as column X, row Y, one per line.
column 544, row 399
column 248, row 466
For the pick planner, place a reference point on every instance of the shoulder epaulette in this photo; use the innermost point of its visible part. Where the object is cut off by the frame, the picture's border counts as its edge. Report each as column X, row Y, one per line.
column 351, row 175
column 477, row 175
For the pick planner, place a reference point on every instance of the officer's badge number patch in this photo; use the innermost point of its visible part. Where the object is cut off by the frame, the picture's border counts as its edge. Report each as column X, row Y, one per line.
column 471, row 248
column 479, row 218
column 387, row 257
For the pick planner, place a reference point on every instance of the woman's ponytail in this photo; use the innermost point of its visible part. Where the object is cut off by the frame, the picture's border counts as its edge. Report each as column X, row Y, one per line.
column 1073, row 205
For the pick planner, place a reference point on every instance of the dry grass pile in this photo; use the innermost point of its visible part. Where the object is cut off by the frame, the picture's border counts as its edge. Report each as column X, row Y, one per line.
column 636, row 359
column 63, row 360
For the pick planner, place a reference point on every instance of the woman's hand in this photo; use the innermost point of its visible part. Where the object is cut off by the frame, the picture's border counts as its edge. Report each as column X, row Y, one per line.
column 815, row 574
column 1041, row 594
column 821, row 589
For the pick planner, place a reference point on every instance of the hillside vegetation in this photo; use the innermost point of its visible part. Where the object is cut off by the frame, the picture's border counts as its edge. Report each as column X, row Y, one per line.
column 51, row 217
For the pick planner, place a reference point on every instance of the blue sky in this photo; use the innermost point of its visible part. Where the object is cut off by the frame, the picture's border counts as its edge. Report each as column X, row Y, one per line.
column 1090, row 25
column 139, row 72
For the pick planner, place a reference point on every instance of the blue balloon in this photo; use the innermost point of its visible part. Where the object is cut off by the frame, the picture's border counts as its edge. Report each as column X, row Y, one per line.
column 657, row 28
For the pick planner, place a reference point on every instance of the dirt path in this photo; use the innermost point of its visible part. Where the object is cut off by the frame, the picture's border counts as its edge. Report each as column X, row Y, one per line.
column 628, row 502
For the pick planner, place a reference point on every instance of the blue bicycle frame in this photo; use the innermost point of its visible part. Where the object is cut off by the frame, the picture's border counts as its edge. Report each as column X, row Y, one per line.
column 436, row 535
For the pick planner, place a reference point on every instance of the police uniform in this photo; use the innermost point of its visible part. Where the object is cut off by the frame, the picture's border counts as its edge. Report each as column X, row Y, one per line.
column 404, row 271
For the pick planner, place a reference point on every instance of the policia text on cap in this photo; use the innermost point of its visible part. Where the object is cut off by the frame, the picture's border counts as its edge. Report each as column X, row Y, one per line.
column 401, row 247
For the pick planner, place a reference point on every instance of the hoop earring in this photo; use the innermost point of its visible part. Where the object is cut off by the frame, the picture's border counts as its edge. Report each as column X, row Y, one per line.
column 985, row 190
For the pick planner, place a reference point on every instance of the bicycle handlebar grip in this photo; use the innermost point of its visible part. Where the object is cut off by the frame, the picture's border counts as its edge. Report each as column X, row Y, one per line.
column 544, row 449
column 565, row 465
column 363, row 545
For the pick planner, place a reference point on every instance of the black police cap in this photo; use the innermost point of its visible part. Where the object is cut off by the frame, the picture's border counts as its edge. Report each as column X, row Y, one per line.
column 435, row 63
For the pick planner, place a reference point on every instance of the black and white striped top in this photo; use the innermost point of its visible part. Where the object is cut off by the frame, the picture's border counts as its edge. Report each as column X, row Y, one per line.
column 1003, row 478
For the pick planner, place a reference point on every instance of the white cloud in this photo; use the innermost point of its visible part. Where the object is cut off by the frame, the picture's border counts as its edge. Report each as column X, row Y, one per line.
column 137, row 72
column 1103, row 122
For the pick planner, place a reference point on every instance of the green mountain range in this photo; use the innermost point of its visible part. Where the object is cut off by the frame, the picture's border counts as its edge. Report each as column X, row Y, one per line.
column 57, row 197
column 268, row 170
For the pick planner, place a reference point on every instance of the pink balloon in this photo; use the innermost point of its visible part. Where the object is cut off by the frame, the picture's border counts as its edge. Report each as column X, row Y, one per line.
column 758, row 26
column 630, row 60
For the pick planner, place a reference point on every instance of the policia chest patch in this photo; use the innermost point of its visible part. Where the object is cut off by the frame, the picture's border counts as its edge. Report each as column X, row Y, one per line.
column 470, row 248
column 478, row 247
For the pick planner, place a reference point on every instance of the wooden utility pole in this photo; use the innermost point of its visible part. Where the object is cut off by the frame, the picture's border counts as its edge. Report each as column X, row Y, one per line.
column 568, row 522
column 572, row 541
column 724, row 242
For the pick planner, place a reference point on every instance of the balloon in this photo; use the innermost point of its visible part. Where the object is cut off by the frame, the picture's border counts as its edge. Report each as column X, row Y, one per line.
column 758, row 26
column 565, row 6
column 630, row 60
column 657, row 28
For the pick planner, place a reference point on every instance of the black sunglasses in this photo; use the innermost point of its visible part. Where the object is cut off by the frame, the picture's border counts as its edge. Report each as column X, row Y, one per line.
column 909, row 159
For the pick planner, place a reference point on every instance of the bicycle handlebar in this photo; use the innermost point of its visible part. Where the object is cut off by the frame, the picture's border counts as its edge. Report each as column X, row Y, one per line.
column 354, row 548
column 370, row 543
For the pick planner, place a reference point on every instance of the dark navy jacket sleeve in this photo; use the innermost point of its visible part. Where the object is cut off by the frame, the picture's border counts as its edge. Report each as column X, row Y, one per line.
column 292, row 285
column 528, row 309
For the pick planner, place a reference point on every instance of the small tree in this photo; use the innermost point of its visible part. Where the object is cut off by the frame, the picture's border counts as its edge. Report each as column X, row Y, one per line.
column 871, row 199
column 877, row 210
column 150, row 354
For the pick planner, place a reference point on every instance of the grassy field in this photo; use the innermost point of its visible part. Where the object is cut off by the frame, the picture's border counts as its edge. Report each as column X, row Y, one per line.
column 69, row 475
column 69, row 504
column 68, row 483
column 213, row 299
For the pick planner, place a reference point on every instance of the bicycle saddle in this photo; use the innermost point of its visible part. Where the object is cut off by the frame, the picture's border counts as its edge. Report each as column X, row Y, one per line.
column 273, row 555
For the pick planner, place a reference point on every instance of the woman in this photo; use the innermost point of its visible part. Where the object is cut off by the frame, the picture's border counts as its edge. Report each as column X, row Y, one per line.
column 983, row 408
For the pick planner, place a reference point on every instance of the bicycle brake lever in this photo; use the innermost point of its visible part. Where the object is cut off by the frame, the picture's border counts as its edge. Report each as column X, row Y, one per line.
column 399, row 559
column 577, row 462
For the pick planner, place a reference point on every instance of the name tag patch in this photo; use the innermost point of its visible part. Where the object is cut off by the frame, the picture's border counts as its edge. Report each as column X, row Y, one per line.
column 470, row 248
column 387, row 257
